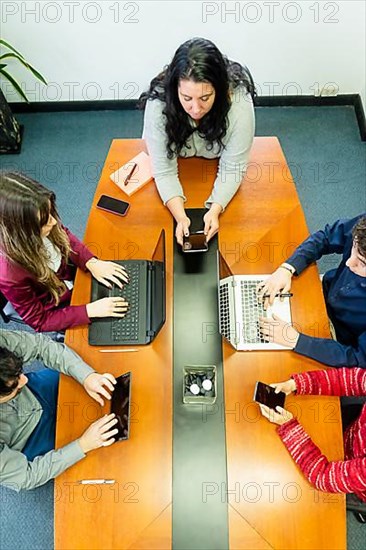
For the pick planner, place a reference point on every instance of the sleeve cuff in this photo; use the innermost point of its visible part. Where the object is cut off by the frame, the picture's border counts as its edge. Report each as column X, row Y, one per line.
column 302, row 383
column 72, row 453
column 287, row 428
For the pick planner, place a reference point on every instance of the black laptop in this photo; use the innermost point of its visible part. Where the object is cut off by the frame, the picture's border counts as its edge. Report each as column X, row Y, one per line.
column 145, row 294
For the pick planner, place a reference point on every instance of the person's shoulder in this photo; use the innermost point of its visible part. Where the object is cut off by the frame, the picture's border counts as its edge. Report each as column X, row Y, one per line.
column 241, row 100
column 154, row 105
column 11, row 270
column 11, row 338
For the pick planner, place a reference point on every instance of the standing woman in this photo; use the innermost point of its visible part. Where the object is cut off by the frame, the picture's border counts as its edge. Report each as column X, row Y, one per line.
column 200, row 105
column 37, row 255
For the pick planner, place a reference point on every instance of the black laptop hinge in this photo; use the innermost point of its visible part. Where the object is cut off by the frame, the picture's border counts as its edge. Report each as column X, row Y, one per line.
column 151, row 266
column 150, row 333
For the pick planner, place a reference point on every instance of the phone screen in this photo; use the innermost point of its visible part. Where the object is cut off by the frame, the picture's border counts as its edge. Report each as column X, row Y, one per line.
column 195, row 242
column 266, row 395
column 120, row 405
column 115, row 206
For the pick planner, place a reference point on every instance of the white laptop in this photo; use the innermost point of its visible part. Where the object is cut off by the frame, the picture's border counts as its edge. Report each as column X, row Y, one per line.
column 240, row 310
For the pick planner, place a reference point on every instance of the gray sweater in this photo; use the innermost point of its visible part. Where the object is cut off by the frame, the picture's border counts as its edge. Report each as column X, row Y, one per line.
column 233, row 158
column 20, row 415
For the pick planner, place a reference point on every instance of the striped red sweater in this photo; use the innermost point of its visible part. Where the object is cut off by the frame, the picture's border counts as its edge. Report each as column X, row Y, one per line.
column 342, row 476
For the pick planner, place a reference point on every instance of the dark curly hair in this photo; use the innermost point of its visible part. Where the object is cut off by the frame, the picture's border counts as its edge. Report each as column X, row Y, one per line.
column 359, row 234
column 11, row 367
column 199, row 60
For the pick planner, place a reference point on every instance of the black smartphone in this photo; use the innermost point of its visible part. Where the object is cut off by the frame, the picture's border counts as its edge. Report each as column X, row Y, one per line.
column 266, row 395
column 120, row 405
column 195, row 242
column 113, row 205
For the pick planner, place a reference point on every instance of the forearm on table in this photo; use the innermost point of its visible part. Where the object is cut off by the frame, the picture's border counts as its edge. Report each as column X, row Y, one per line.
column 332, row 353
column 226, row 185
column 18, row 473
column 176, row 208
column 343, row 476
column 338, row 382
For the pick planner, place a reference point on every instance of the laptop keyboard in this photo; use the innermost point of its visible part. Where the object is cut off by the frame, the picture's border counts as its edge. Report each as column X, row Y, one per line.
column 127, row 327
column 252, row 311
column 224, row 310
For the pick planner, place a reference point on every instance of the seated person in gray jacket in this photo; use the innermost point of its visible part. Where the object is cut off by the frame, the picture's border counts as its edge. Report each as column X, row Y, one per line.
column 28, row 410
column 199, row 105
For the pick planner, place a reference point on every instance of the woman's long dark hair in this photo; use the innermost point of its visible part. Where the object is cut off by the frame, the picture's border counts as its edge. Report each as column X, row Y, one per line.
column 25, row 207
column 199, row 60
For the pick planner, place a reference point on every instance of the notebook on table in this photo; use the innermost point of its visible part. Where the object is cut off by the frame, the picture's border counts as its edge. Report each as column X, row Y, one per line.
column 240, row 310
column 141, row 175
column 145, row 294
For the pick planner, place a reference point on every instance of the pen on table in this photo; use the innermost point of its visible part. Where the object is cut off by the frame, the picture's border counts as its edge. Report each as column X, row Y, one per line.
column 116, row 350
column 130, row 174
column 284, row 295
column 96, row 481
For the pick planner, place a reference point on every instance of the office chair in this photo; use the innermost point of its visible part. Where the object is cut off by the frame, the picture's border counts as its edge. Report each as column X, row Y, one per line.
column 357, row 506
column 7, row 312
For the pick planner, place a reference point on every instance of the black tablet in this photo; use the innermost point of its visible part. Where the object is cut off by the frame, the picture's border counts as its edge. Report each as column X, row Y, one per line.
column 120, row 405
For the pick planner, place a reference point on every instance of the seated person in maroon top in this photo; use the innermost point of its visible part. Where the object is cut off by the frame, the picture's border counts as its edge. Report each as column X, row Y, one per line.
column 35, row 256
column 339, row 476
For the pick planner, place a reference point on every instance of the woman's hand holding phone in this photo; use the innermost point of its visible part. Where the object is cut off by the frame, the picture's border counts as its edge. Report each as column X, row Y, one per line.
column 176, row 208
column 211, row 221
column 182, row 229
column 286, row 387
column 279, row 416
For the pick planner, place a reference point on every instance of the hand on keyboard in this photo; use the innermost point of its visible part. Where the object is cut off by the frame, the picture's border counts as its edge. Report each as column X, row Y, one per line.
column 107, row 307
column 107, row 272
column 278, row 282
column 278, row 331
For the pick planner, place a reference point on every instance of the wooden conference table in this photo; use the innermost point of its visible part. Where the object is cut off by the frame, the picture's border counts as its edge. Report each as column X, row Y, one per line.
column 270, row 505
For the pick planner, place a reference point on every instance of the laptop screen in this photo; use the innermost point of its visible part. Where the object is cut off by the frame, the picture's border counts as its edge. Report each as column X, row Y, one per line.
column 223, row 268
column 120, row 405
column 159, row 252
column 158, row 286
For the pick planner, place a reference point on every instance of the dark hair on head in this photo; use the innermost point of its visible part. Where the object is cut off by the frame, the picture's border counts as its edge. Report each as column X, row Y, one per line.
column 11, row 367
column 25, row 207
column 199, row 60
column 359, row 234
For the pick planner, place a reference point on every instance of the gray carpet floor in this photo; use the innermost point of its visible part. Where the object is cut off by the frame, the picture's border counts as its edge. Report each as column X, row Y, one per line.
column 66, row 151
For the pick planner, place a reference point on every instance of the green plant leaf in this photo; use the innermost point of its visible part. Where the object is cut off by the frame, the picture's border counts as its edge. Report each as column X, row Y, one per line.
column 15, row 84
column 26, row 65
column 7, row 45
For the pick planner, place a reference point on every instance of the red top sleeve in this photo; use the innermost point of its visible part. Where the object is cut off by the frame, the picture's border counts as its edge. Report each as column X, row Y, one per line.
column 342, row 476
column 33, row 302
column 80, row 254
column 338, row 382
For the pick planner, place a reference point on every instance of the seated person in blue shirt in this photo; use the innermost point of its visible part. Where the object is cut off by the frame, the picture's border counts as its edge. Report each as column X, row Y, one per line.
column 344, row 291
column 28, row 405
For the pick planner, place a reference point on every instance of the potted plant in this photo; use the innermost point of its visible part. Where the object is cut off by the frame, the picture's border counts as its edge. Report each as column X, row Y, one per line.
column 10, row 132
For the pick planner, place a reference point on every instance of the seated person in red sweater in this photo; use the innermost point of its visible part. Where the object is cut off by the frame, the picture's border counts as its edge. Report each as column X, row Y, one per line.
column 35, row 256
column 341, row 476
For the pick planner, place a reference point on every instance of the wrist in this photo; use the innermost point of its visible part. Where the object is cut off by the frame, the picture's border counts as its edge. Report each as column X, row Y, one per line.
column 181, row 218
column 296, row 339
column 288, row 268
column 83, row 445
column 293, row 385
column 90, row 263
column 216, row 208
column 89, row 310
